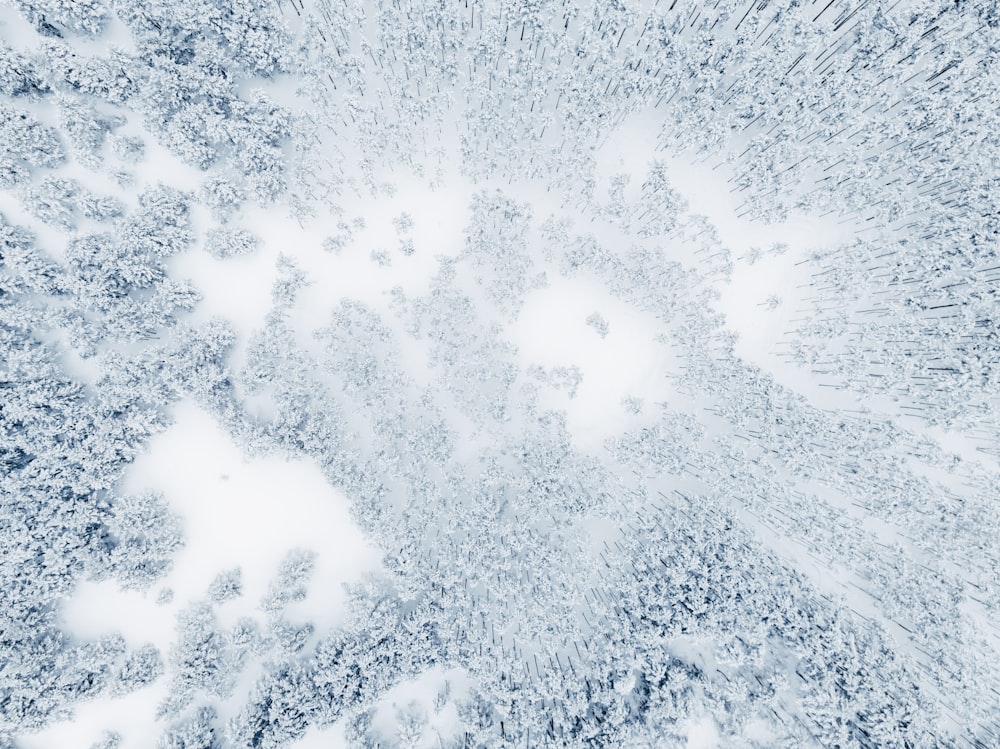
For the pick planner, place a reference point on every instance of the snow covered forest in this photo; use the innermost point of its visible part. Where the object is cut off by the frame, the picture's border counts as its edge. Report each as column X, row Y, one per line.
column 480, row 373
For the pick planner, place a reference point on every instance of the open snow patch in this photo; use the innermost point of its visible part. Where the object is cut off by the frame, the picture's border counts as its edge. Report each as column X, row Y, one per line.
column 628, row 150
column 702, row 734
column 250, row 514
column 236, row 513
column 556, row 331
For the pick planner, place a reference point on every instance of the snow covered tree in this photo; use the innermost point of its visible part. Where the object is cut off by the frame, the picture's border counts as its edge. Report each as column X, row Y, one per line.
column 146, row 535
column 224, row 243
column 201, row 661
column 290, row 585
column 86, row 127
column 18, row 74
column 222, row 196
column 226, row 586
column 52, row 17
column 196, row 732
column 141, row 668
column 26, row 143
column 110, row 740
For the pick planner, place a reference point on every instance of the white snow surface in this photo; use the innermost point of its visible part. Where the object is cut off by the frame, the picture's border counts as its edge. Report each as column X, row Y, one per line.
column 551, row 331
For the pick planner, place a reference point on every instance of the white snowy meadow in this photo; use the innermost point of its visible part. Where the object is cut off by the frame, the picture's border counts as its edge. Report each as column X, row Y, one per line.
column 475, row 374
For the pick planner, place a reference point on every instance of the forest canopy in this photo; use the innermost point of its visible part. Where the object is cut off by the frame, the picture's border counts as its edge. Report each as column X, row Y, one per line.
column 556, row 373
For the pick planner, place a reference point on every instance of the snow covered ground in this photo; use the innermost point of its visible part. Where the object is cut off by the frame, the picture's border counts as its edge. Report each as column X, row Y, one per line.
column 552, row 331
